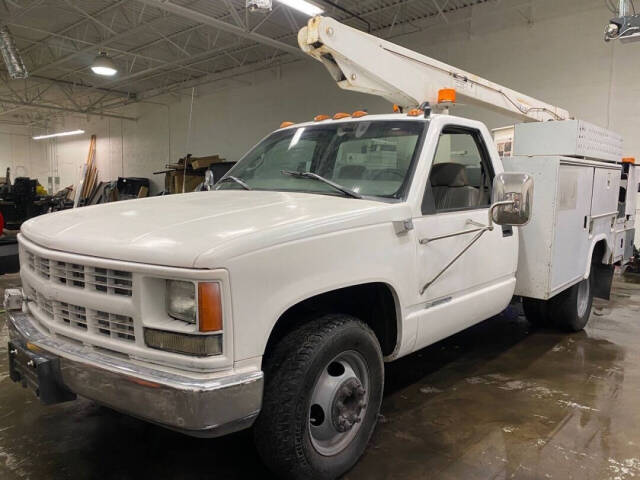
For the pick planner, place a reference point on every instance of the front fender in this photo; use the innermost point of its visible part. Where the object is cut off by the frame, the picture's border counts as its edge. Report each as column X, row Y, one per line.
column 266, row 283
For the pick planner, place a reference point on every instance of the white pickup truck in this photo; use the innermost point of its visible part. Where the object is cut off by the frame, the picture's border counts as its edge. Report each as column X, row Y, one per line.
column 333, row 246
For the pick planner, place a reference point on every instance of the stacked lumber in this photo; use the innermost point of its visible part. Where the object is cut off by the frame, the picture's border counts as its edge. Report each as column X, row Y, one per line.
column 89, row 176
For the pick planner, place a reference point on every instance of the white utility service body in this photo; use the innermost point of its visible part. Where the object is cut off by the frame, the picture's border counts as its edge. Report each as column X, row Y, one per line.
column 96, row 279
column 576, row 203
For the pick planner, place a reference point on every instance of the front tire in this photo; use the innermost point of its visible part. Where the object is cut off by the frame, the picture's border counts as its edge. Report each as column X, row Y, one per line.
column 323, row 390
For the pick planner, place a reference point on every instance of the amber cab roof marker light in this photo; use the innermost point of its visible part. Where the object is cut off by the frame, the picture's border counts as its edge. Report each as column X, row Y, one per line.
column 320, row 118
column 447, row 95
column 397, row 108
column 359, row 113
column 286, row 124
column 414, row 112
column 341, row 115
column 631, row 160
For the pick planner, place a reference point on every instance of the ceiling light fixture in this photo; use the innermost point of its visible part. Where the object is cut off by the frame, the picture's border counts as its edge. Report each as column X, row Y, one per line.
column 61, row 134
column 303, row 6
column 103, row 65
column 259, row 5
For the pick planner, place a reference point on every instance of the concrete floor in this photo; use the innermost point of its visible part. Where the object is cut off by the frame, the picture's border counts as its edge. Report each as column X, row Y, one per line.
column 498, row 401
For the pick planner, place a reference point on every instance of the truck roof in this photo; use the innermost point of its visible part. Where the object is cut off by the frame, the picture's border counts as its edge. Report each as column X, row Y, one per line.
column 373, row 117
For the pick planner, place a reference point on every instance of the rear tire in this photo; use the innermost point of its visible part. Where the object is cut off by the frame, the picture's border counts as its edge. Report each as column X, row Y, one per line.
column 571, row 309
column 536, row 311
column 322, row 395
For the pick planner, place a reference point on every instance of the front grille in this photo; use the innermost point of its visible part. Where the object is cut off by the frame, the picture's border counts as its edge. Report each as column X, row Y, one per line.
column 69, row 274
column 118, row 327
column 115, row 326
column 83, row 278
column 44, row 304
column 39, row 265
column 113, row 282
column 70, row 314
column 104, row 280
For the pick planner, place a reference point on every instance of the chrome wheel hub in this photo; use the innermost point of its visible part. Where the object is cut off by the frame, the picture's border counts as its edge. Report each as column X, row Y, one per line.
column 338, row 403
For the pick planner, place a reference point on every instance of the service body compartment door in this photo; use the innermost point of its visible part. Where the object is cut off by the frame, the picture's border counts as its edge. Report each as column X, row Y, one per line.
column 606, row 184
column 571, row 236
column 604, row 205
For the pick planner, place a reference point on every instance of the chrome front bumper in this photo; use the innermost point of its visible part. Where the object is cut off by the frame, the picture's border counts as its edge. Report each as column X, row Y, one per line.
column 207, row 408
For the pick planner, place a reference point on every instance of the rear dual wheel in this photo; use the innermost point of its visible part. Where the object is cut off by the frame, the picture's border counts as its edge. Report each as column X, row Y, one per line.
column 323, row 390
column 569, row 310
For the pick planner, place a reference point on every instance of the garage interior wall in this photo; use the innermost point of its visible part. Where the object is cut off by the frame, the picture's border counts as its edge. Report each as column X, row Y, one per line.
column 549, row 49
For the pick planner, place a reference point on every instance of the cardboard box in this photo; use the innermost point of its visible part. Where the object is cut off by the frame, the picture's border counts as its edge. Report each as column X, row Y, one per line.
column 173, row 182
column 204, row 162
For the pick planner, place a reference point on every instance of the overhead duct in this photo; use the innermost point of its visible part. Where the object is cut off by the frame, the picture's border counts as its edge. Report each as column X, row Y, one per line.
column 11, row 56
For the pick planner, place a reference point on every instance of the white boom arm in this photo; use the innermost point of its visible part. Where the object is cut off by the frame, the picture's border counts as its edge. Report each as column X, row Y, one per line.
column 362, row 62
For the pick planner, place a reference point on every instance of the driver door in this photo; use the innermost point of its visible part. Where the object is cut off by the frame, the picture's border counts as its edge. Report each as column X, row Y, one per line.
column 480, row 281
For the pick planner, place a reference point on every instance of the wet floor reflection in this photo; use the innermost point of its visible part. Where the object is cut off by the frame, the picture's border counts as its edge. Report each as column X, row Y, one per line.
column 496, row 401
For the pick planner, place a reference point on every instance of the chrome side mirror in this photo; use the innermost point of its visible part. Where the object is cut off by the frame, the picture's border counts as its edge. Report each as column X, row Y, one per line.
column 209, row 181
column 512, row 199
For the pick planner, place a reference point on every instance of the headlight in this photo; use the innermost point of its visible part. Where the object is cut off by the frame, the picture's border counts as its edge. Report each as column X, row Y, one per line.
column 181, row 300
column 197, row 303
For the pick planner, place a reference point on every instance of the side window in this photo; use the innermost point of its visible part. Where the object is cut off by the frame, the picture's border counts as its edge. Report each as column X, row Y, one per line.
column 461, row 174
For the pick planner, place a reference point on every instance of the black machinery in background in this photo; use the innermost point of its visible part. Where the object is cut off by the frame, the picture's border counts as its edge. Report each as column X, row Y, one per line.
column 20, row 202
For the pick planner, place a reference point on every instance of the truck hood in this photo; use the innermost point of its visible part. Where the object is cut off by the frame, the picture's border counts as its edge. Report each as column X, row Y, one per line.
column 190, row 230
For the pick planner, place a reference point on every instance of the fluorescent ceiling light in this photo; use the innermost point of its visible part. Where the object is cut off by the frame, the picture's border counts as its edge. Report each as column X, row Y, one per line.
column 103, row 65
column 61, row 134
column 105, row 71
column 303, row 6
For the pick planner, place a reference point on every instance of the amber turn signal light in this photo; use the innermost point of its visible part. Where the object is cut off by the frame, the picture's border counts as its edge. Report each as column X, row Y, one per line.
column 209, row 307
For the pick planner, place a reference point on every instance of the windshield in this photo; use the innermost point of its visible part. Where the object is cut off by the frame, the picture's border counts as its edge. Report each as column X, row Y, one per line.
column 368, row 158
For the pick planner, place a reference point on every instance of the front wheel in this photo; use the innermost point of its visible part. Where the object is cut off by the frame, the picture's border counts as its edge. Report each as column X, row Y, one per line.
column 323, row 390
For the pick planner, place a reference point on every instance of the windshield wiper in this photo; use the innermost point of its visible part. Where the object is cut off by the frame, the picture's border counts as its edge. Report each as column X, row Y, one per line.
column 320, row 178
column 234, row 179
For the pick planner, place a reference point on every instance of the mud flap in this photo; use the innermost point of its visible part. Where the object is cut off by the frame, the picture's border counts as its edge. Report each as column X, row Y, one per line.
column 603, row 278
